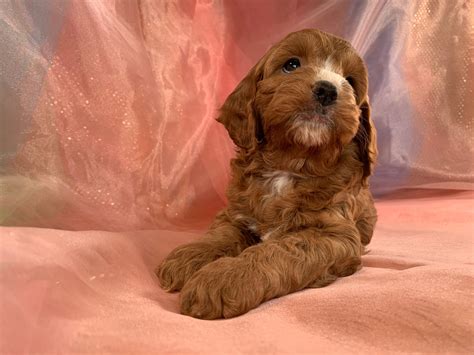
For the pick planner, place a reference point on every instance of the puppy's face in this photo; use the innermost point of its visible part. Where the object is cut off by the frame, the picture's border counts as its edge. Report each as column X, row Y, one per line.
column 309, row 90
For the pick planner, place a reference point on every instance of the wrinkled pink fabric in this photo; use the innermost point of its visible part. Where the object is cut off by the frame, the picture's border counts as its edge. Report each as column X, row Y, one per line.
column 107, row 115
column 95, row 292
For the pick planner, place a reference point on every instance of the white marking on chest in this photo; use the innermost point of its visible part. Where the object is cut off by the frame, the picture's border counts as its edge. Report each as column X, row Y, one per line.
column 279, row 181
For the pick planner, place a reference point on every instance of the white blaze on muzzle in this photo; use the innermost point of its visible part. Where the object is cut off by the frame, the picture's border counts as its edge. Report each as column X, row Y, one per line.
column 330, row 73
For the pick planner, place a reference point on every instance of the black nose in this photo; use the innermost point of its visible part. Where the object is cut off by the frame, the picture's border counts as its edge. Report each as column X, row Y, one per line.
column 325, row 93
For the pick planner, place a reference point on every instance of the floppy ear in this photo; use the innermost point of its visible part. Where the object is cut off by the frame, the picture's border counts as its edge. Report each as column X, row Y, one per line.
column 238, row 114
column 366, row 139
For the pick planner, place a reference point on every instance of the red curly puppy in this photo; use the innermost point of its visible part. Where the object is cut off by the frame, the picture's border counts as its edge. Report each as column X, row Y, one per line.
column 300, row 212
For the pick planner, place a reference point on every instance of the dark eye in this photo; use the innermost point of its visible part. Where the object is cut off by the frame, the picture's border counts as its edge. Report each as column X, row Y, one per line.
column 291, row 65
column 351, row 81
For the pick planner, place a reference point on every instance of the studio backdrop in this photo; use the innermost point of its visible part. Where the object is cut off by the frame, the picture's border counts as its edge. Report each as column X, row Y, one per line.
column 108, row 108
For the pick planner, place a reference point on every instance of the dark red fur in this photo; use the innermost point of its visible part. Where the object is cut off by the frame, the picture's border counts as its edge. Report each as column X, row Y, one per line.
column 299, row 214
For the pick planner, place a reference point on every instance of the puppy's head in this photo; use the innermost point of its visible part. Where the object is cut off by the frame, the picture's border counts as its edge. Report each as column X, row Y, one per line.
column 309, row 90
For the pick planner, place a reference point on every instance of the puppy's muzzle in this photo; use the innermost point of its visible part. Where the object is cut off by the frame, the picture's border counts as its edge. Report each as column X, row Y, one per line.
column 324, row 92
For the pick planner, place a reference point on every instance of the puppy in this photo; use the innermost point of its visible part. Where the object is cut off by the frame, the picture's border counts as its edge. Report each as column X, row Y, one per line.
column 299, row 212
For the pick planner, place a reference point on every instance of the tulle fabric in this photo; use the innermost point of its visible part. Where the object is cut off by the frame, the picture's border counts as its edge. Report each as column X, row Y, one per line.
column 108, row 107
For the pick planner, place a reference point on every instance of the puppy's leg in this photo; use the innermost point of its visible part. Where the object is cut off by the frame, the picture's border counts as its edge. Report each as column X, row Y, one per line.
column 368, row 217
column 222, row 239
column 231, row 286
column 366, row 225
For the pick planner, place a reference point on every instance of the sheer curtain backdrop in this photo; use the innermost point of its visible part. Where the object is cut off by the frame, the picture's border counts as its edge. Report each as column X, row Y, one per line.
column 108, row 108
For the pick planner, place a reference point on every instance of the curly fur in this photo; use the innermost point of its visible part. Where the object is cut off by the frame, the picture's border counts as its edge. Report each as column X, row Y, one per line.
column 299, row 212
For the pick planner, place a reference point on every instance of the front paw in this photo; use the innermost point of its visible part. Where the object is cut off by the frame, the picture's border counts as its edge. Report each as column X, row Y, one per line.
column 225, row 288
column 182, row 263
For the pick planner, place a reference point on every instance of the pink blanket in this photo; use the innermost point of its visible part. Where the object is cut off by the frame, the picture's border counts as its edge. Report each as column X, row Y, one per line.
column 95, row 292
